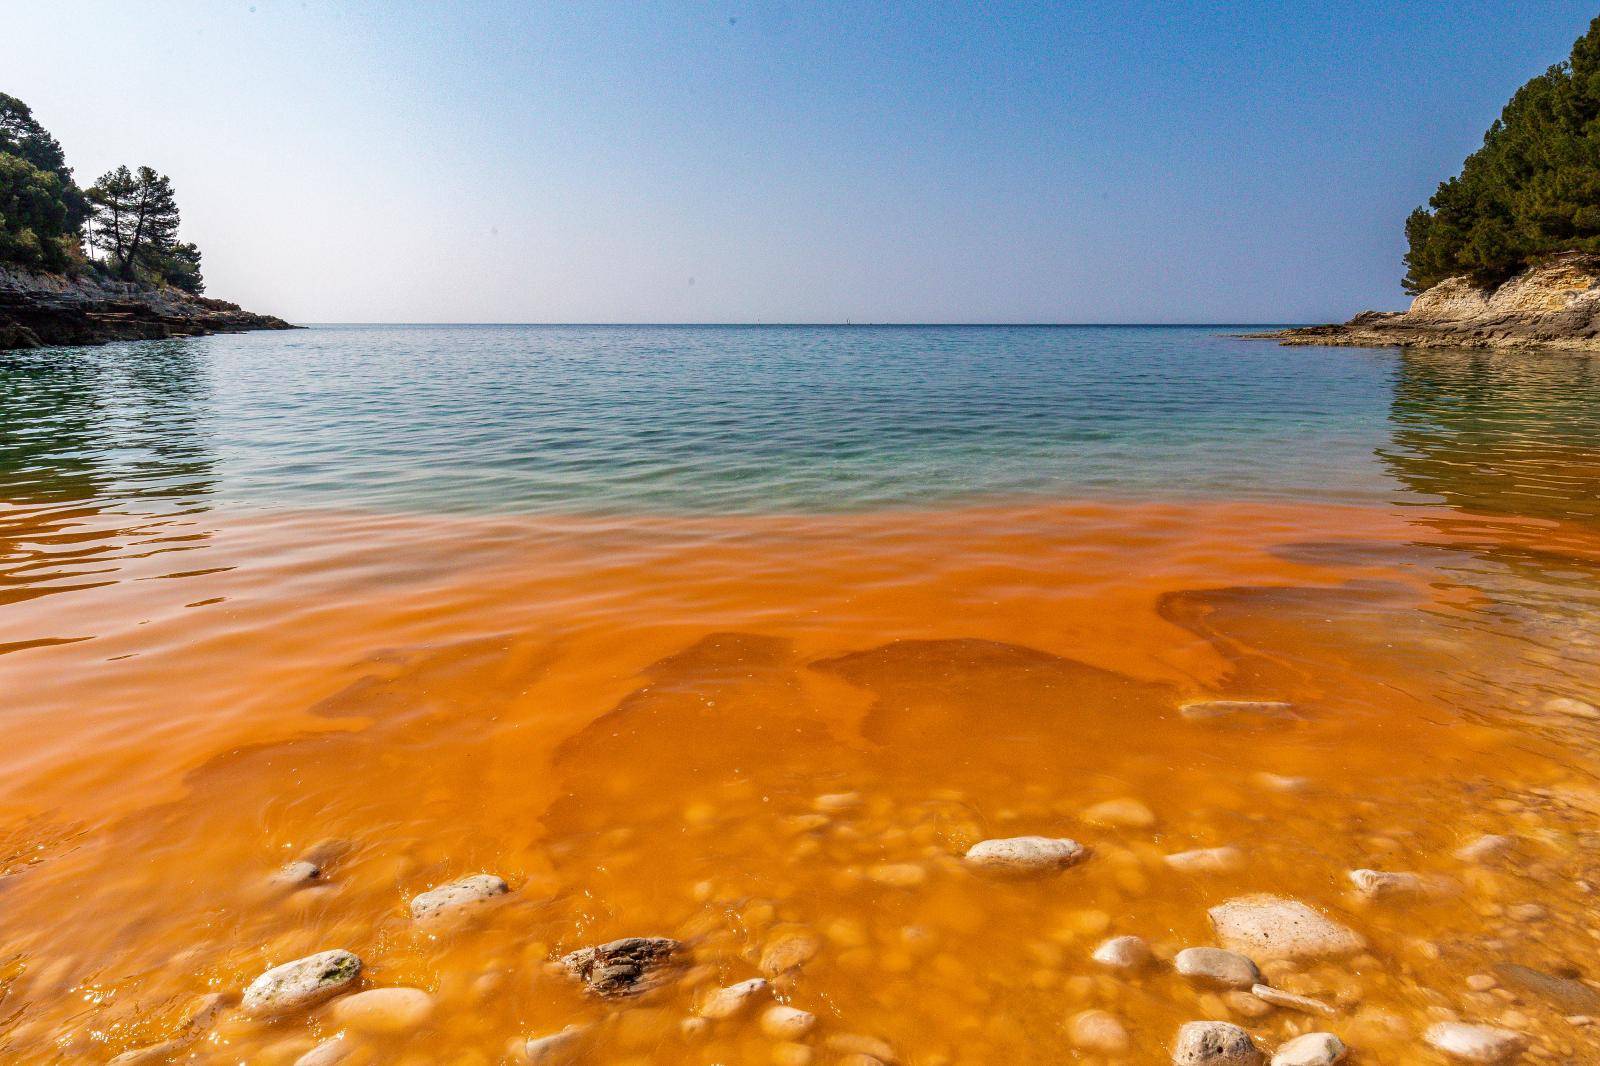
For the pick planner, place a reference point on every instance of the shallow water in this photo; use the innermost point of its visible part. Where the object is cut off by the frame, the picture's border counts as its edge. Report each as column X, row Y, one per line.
column 604, row 611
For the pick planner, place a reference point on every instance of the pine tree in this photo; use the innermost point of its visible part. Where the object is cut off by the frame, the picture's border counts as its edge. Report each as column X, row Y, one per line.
column 136, row 226
column 1533, row 189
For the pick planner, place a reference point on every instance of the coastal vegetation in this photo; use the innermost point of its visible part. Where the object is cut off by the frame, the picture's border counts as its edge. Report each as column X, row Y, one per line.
column 124, row 226
column 1531, row 191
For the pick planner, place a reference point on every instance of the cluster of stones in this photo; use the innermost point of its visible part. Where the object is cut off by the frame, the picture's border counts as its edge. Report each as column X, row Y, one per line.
column 1251, row 931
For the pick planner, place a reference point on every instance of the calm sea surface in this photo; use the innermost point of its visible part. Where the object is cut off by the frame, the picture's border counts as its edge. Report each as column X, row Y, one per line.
column 577, row 419
column 743, row 637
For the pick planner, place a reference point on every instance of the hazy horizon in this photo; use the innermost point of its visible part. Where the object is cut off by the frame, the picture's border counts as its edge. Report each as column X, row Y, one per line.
column 766, row 163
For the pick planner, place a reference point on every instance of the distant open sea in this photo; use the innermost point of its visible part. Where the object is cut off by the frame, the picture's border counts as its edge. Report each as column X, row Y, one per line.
column 738, row 419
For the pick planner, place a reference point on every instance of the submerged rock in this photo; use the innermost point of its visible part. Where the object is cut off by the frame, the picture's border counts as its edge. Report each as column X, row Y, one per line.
column 1487, row 847
column 1124, row 953
column 625, row 967
column 1225, row 710
column 1571, row 708
column 860, row 1044
column 734, row 999
column 457, row 897
column 1386, row 885
column 327, row 851
column 331, row 1051
column 1475, row 1043
column 1565, row 994
column 896, row 874
column 788, row 950
column 554, row 1049
column 302, row 983
column 1214, row 966
column 1025, row 855
column 1207, row 860
column 1098, row 1031
column 1273, row 927
column 1312, row 1049
column 150, row 1055
column 1279, row 998
column 297, row 874
column 383, row 1010
column 1214, row 1044
column 1125, row 813
column 787, row 1023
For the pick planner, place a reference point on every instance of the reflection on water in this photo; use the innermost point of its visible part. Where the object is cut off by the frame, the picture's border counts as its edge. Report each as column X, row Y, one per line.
column 1497, row 433
column 104, row 453
column 605, row 611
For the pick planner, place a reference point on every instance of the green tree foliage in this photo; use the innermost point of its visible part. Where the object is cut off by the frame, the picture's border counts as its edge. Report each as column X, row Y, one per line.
column 42, row 211
column 1533, row 189
column 136, row 227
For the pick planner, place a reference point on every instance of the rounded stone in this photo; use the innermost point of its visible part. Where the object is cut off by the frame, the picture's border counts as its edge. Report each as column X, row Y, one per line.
column 1099, row 1032
column 457, row 897
column 1024, row 855
column 1214, row 966
column 787, row 1023
column 1312, row 1049
column 732, row 1000
column 1270, row 928
column 383, row 1010
column 302, row 983
column 1475, row 1043
column 1124, row 953
column 788, row 950
column 331, row 1051
column 860, row 1044
column 554, row 1049
column 1214, row 1044
column 1125, row 813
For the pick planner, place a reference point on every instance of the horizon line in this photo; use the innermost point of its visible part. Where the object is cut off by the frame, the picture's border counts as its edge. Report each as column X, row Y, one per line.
column 843, row 325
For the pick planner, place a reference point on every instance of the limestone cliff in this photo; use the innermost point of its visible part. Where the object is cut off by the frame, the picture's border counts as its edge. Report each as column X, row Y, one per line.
column 48, row 309
column 1555, row 304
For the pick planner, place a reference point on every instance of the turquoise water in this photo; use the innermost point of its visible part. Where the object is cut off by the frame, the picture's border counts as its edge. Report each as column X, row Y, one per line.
column 762, row 419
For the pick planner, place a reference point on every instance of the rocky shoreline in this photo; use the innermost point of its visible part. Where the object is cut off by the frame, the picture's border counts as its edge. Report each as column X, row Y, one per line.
column 1274, row 957
column 39, row 310
column 1552, row 306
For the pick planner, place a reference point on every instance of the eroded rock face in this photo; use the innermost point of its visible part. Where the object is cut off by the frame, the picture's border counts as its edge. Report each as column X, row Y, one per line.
column 625, row 967
column 1272, row 927
column 41, row 309
column 302, row 983
column 1555, row 304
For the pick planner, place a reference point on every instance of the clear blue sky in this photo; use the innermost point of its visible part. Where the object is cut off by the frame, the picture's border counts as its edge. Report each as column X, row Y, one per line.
column 388, row 161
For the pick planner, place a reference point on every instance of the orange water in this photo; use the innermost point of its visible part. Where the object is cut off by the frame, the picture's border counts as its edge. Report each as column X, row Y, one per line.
column 630, row 722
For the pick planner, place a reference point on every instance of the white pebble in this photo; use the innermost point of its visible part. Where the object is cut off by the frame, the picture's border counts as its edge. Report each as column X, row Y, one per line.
column 1475, row 1043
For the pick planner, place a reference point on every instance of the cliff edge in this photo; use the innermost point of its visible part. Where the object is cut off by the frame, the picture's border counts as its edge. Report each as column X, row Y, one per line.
column 1553, row 305
column 47, row 309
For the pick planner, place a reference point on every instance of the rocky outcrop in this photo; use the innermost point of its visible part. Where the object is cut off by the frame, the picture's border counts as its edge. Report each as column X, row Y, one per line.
column 47, row 309
column 1554, row 305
